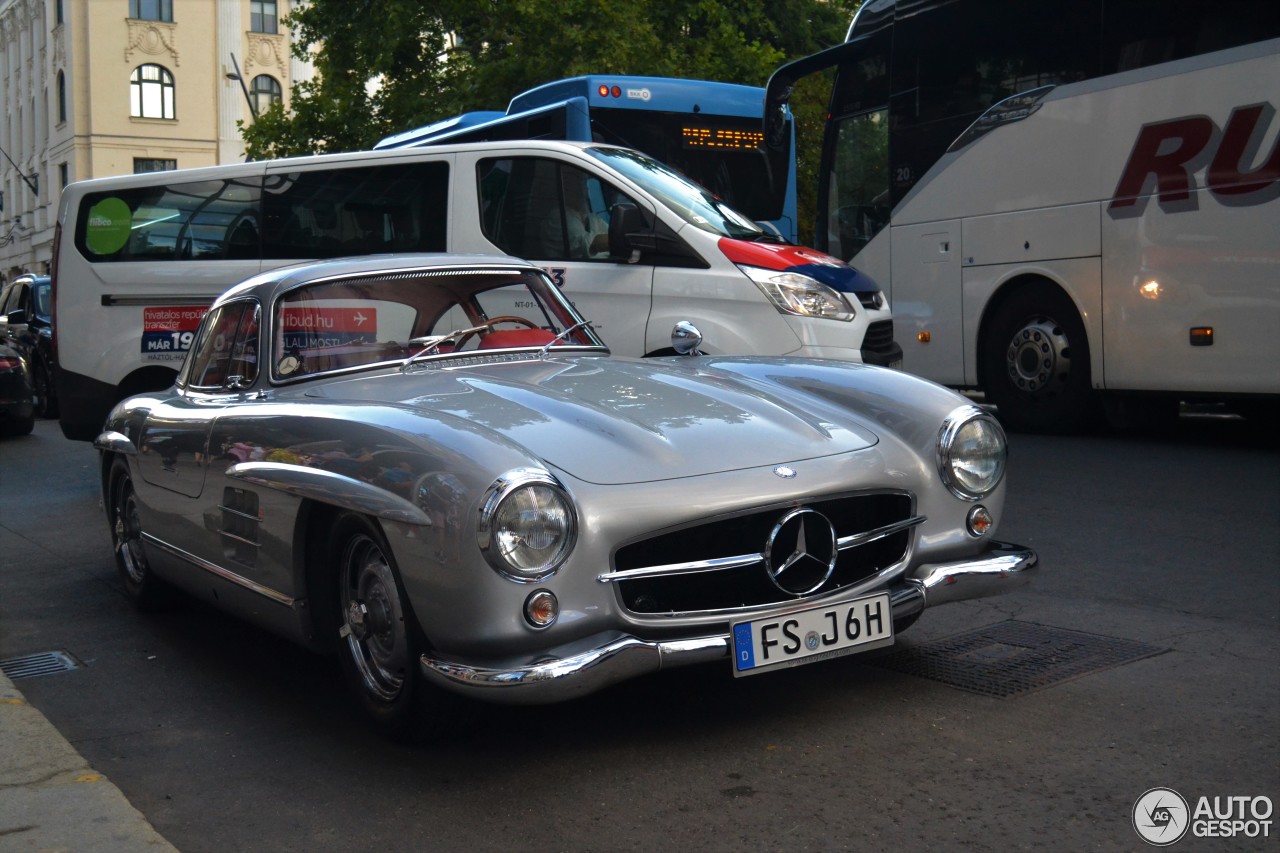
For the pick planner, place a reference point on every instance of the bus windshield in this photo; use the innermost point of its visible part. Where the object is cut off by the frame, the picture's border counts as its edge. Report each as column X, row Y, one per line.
column 694, row 203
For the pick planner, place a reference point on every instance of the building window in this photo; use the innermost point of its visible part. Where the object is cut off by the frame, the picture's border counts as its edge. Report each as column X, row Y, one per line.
column 62, row 97
column 263, row 18
column 151, row 92
column 265, row 91
column 64, row 175
column 57, row 12
column 151, row 10
column 152, row 164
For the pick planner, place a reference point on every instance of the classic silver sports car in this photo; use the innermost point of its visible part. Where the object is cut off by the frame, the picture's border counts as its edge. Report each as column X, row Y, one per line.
column 432, row 465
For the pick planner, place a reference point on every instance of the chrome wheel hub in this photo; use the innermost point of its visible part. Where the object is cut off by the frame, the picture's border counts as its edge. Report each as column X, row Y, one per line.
column 1038, row 357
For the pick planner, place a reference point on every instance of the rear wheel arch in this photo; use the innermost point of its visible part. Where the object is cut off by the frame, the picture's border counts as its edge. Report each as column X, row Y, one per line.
column 146, row 379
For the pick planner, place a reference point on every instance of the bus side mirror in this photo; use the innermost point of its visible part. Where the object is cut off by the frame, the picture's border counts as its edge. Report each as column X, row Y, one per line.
column 625, row 219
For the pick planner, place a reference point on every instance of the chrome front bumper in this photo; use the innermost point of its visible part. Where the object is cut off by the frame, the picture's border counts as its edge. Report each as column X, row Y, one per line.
column 598, row 661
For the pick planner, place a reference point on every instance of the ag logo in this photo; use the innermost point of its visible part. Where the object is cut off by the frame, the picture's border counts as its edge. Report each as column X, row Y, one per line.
column 1161, row 816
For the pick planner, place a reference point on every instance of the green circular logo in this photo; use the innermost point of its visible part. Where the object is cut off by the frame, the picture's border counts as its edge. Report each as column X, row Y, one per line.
column 107, row 229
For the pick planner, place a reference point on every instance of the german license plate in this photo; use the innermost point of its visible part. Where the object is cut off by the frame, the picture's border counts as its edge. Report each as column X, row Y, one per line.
column 811, row 634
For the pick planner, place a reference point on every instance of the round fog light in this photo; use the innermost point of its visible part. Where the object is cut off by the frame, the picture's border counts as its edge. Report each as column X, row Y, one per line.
column 980, row 521
column 541, row 608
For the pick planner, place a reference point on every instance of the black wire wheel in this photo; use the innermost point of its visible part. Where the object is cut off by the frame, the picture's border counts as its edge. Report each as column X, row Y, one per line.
column 379, row 641
column 141, row 585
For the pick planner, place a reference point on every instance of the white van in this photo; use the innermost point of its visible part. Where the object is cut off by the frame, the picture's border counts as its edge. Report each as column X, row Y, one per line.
column 636, row 246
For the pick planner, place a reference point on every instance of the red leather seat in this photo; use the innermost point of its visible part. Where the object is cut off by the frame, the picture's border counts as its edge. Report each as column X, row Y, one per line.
column 516, row 338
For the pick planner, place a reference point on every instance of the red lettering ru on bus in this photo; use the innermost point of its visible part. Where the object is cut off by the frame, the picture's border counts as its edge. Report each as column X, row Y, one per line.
column 1239, row 147
column 1168, row 153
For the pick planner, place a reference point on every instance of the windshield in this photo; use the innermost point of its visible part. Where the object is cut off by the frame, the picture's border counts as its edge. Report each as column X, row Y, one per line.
column 693, row 203
column 419, row 316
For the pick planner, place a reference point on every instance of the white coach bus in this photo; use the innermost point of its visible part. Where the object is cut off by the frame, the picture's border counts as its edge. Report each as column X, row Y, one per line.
column 636, row 245
column 1067, row 201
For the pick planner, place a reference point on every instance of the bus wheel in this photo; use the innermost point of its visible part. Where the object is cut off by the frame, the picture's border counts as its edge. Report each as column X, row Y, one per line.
column 1036, row 362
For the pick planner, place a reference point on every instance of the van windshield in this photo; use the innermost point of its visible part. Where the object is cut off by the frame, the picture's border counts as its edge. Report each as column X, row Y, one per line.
column 693, row 203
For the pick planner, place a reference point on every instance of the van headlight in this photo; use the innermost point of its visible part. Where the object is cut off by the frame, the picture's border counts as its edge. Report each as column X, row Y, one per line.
column 528, row 525
column 971, row 453
column 792, row 293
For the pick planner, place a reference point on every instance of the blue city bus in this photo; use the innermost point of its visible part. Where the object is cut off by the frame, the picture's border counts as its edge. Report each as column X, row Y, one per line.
column 709, row 131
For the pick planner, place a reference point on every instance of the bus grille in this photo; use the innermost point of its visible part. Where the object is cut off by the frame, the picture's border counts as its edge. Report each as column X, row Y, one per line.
column 749, row 585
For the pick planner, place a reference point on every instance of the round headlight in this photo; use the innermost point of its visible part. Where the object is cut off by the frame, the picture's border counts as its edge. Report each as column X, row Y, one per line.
column 527, row 525
column 971, row 453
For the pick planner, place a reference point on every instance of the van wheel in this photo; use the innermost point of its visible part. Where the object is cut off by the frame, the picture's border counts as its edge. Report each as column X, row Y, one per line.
column 1036, row 362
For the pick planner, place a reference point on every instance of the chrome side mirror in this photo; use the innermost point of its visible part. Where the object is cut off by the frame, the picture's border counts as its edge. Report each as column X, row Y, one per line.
column 685, row 338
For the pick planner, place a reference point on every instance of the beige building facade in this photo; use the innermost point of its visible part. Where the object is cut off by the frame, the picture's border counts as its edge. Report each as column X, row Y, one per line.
column 93, row 88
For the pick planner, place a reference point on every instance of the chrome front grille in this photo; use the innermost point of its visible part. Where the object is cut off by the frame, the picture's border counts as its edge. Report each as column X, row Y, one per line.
column 720, row 564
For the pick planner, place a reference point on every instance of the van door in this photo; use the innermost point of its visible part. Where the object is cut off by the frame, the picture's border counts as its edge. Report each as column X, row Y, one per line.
column 556, row 214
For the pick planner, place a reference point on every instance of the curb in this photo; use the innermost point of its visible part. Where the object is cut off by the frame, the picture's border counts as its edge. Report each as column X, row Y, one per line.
column 51, row 799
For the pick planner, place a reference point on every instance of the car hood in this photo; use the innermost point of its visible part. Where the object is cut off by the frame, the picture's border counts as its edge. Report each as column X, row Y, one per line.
column 613, row 421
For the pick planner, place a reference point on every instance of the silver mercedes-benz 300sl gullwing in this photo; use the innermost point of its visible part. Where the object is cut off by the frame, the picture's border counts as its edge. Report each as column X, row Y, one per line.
column 432, row 466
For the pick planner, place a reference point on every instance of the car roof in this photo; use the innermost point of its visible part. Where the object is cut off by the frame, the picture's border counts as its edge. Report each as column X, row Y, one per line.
column 269, row 285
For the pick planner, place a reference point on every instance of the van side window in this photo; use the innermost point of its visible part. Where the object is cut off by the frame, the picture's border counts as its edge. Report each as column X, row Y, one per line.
column 165, row 222
column 227, row 347
column 329, row 213
column 543, row 209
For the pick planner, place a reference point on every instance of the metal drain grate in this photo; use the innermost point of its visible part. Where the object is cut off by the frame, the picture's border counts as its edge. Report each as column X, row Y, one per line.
column 43, row 663
column 1014, row 657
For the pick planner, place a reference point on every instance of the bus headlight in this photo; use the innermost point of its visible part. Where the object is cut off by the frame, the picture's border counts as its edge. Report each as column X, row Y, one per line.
column 792, row 293
column 528, row 525
column 971, row 453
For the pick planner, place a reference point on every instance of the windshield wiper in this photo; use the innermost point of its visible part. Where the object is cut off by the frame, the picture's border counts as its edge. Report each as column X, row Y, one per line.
column 560, row 337
column 431, row 343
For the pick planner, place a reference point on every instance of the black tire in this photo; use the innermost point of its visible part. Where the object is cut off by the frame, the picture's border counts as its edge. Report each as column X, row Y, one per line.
column 46, row 402
column 18, row 426
column 141, row 586
column 1035, row 362
column 379, row 641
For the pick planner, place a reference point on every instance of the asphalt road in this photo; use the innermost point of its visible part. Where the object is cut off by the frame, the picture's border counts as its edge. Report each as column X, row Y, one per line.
column 228, row 738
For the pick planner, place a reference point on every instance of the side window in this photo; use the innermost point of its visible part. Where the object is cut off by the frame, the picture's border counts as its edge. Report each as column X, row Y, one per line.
column 545, row 210
column 208, row 220
column 356, row 210
column 227, row 347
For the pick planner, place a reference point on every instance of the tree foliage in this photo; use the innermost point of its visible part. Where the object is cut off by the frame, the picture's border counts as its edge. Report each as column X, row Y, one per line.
column 383, row 66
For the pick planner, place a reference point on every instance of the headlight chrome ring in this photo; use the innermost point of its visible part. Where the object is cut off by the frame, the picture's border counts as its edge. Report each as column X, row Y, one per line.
column 528, row 525
column 971, row 453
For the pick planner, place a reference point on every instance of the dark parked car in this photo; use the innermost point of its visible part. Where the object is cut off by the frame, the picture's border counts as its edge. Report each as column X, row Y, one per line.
column 26, row 324
column 17, row 413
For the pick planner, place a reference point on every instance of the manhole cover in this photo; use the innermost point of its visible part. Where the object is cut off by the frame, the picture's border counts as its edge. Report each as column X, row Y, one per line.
column 43, row 663
column 1014, row 657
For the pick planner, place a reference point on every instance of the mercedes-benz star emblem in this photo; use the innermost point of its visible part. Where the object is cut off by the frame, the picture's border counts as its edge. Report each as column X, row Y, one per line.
column 801, row 552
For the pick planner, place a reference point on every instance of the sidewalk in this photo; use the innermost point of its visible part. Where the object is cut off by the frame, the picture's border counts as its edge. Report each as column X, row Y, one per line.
column 51, row 800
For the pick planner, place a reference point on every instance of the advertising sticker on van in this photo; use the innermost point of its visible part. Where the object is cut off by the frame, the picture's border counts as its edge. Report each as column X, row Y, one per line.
column 167, row 333
column 313, row 327
column 107, row 227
